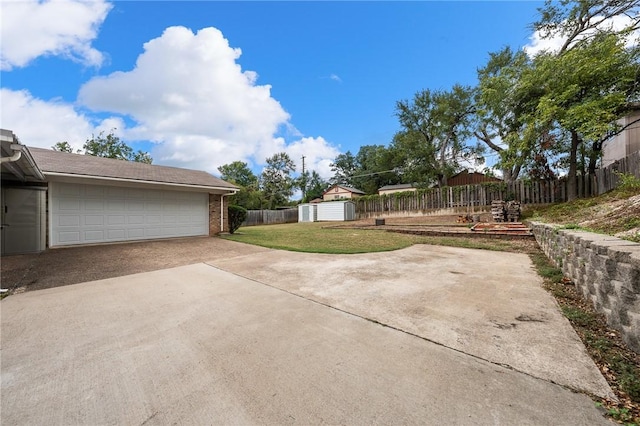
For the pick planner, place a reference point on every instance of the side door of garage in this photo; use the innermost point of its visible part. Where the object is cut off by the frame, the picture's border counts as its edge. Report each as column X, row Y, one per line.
column 23, row 218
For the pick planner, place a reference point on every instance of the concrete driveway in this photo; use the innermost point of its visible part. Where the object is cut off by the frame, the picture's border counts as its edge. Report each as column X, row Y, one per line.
column 290, row 338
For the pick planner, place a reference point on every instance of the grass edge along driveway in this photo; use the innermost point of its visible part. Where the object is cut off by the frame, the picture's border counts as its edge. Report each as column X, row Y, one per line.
column 318, row 237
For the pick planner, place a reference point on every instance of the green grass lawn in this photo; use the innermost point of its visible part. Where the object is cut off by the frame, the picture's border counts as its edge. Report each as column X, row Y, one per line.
column 321, row 238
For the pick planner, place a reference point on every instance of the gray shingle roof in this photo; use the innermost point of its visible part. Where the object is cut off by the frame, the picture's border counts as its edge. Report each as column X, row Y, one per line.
column 348, row 188
column 50, row 161
column 398, row 186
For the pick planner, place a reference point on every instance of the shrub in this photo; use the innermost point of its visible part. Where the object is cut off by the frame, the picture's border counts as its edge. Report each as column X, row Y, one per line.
column 237, row 215
column 628, row 182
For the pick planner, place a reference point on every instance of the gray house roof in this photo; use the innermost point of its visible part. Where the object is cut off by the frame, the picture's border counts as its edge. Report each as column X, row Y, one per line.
column 348, row 188
column 398, row 186
column 55, row 163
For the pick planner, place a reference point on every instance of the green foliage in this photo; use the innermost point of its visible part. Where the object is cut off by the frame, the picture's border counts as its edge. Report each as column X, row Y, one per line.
column 63, row 147
column 110, row 146
column 628, row 182
column 579, row 316
column 237, row 215
column 621, row 414
column 546, row 269
column 435, row 127
column 499, row 122
column 276, row 181
column 373, row 167
column 313, row 184
column 238, row 173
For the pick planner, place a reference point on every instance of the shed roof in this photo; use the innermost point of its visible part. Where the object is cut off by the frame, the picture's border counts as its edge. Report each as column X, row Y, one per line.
column 68, row 164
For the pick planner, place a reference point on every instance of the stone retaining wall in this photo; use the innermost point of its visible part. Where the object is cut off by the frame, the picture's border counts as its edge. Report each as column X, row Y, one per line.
column 605, row 269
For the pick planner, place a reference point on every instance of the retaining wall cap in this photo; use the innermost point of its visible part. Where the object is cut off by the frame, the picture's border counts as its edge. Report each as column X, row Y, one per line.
column 634, row 258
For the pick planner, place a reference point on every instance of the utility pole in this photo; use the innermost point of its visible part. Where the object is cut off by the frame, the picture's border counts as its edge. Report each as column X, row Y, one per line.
column 304, row 181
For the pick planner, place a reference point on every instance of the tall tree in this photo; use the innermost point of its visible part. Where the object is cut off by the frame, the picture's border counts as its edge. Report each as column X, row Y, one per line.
column 344, row 167
column 372, row 167
column 276, row 181
column 63, row 147
column 249, row 196
column 435, row 128
column 584, row 91
column 239, row 173
column 499, row 122
column 110, row 146
column 314, row 185
column 575, row 21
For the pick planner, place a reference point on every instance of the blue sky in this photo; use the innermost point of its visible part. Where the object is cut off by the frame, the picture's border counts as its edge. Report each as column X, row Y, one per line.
column 200, row 84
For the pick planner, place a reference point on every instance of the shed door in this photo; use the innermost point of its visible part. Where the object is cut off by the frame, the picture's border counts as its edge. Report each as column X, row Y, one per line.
column 88, row 214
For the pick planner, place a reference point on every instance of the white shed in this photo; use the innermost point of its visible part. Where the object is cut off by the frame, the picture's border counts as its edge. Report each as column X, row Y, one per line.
column 337, row 211
column 307, row 213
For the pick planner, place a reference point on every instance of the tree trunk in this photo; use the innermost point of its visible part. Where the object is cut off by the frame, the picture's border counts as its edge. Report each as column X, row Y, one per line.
column 572, row 187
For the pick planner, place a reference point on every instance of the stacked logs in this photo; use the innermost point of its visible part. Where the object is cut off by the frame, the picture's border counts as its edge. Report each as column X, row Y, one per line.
column 513, row 211
column 505, row 212
column 498, row 210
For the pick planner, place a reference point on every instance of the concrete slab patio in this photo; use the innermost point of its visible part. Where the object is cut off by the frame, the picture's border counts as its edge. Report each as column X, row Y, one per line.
column 483, row 303
column 198, row 345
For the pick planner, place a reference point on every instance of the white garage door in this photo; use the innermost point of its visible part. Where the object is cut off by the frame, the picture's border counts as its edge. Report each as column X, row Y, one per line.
column 87, row 214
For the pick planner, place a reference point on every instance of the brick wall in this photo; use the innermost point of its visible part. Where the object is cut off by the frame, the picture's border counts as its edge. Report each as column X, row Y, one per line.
column 215, row 212
column 605, row 269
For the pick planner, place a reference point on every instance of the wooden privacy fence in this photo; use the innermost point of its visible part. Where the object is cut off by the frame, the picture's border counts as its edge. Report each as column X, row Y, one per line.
column 608, row 178
column 270, row 217
column 479, row 196
column 467, row 196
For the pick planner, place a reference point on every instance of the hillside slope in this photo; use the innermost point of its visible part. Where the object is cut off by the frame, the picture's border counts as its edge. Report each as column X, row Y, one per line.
column 615, row 213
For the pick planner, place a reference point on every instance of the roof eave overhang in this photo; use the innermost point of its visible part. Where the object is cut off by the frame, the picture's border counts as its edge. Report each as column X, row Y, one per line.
column 103, row 180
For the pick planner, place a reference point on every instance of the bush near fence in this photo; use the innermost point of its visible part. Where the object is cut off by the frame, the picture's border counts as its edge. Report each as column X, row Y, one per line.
column 270, row 217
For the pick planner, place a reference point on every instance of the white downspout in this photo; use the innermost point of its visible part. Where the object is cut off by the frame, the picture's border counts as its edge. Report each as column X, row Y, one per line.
column 17, row 153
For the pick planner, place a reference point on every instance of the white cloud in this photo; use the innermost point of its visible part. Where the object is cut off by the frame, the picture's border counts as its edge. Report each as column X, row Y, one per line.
column 31, row 28
column 318, row 153
column 188, row 94
column 537, row 44
column 44, row 123
column 335, row 77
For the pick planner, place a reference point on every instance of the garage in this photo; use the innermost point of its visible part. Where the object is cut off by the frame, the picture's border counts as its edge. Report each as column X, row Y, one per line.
column 56, row 199
column 89, row 214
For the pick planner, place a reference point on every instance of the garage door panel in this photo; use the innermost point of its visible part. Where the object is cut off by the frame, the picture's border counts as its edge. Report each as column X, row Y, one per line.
column 135, row 219
column 92, row 220
column 116, row 234
column 135, row 205
column 135, row 233
column 69, row 237
column 68, row 220
column 83, row 214
column 116, row 220
column 70, row 205
column 94, row 236
column 94, row 191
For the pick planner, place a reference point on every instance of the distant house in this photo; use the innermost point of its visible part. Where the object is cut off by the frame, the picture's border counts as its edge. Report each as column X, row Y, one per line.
column 340, row 192
column 390, row 189
column 625, row 143
column 470, row 178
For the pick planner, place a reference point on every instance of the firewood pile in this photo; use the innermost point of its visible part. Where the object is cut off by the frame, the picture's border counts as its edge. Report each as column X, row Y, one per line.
column 505, row 211
column 513, row 211
column 497, row 210
column 464, row 219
